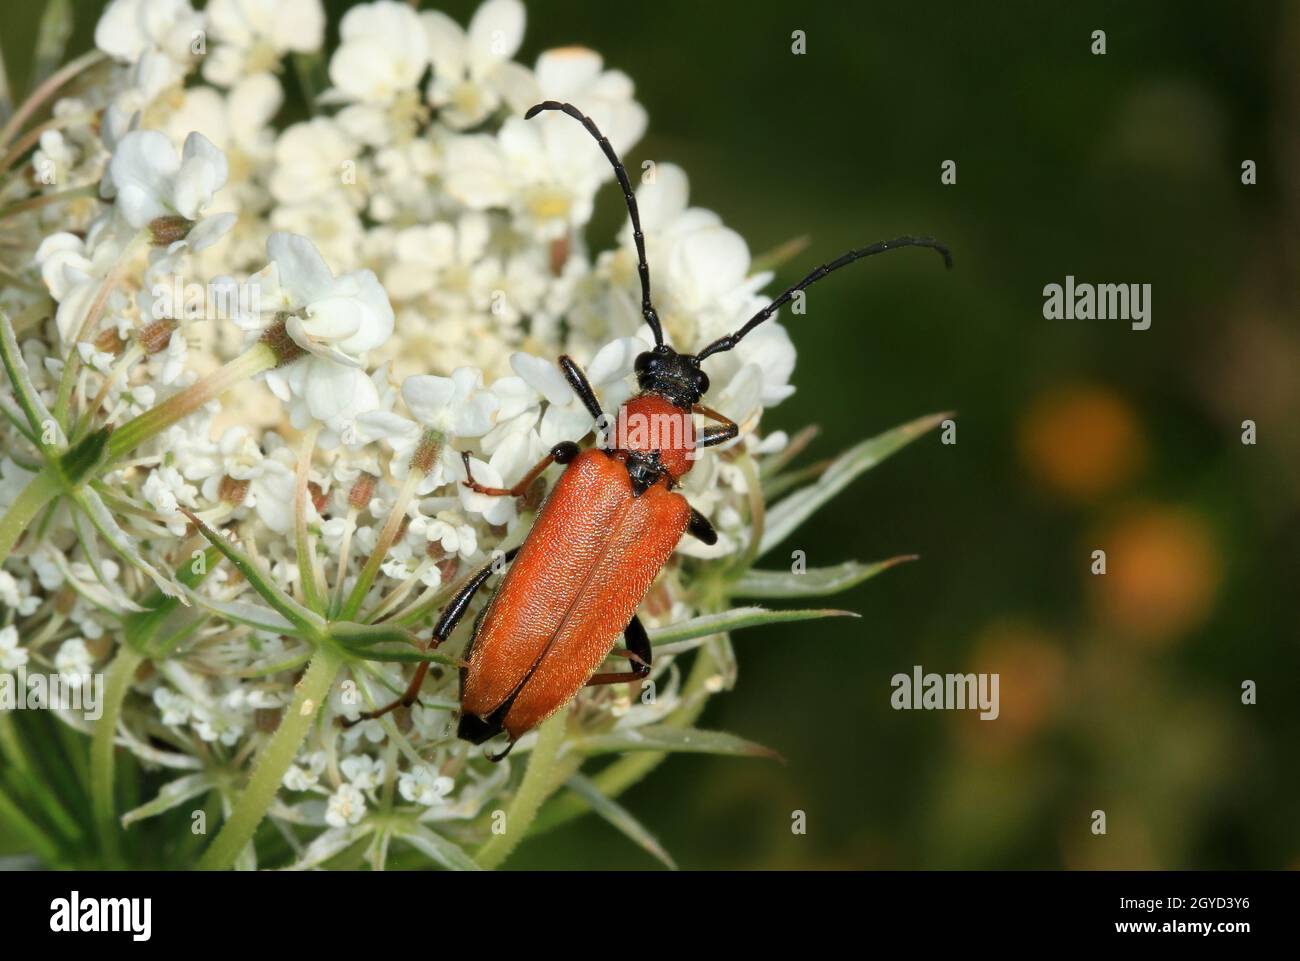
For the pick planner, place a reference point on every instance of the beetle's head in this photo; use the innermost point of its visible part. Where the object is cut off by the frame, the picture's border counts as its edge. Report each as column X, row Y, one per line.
column 674, row 376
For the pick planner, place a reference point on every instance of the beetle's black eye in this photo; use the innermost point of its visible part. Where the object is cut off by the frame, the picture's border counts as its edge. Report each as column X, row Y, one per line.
column 701, row 382
column 643, row 362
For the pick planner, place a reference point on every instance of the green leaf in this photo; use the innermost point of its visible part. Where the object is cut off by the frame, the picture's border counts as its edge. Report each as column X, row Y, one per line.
column 351, row 634
column 330, row 843
column 139, row 629
column 81, row 463
column 814, row 582
column 51, row 40
column 173, row 794
column 25, row 392
column 686, row 635
column 447, row 853
column 121, row 542
column 678, row 740
column 407, row 656
column 251, row 615
column 90, row 545
column 620, row 818
column 308, row 621
column 785, row 516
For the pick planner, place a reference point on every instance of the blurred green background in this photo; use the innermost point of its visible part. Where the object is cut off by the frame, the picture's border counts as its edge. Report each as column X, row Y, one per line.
column 1122, row 692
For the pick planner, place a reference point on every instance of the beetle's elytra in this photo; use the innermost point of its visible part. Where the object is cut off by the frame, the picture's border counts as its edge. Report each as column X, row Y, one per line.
column 603, row 532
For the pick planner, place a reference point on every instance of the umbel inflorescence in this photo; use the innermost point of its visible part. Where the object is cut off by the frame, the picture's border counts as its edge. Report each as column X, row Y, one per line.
column 246, row 357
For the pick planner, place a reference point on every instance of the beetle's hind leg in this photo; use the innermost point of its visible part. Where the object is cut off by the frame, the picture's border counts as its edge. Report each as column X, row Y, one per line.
column 561, row 453
column 451, row 615
column 638, row 652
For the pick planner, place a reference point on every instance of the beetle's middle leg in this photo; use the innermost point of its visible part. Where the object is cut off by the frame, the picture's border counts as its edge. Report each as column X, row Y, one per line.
column 561, row 453
column 638, row 651
column 447, row 621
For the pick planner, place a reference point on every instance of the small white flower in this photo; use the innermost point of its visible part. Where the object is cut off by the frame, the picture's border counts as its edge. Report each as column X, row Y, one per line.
column 424, row 785
column 251, row 36
column 309, row 161
column 336, row 320
column 456, row 406
column 149, row 182
column 364, row 771
column 16, row 594
column 472, row 71
column 382, row 51
column 155, row 36
column 166, row 491
column 73, row 662
column 305, row 775
column 12, row 656
column 176, row 708
column 346, row 806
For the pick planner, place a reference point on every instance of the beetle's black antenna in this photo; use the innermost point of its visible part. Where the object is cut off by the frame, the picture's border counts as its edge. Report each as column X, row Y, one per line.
column 647, row 308
column 730, row 341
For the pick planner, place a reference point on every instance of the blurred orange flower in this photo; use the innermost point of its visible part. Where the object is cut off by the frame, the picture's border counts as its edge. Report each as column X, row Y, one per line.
column 1162, row 572
column 1081, row 441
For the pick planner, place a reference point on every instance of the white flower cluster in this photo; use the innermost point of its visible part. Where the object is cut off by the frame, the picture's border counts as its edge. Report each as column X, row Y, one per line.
column 413, row 252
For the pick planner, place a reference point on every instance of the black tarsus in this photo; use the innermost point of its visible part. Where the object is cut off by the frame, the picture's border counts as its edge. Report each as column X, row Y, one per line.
column 730, row 340
column 638, row 646
column 647, row 308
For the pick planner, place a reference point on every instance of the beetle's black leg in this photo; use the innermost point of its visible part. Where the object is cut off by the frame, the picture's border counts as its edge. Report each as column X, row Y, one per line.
column 581, row 386
column 700, row 528
column 639, row 653
column 561, row 453
column 447, row 621
column 723, row 432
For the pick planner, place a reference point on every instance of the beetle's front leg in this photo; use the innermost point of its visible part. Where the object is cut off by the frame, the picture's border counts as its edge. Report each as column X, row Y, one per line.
column 723, row 431
column 447, row 621
column 561, row 453
column 639, row 653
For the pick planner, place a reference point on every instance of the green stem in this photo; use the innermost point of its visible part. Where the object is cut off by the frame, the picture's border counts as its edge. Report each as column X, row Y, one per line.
column 533, row 790
column 89, row 320
column 46, row 90
column 631, row 768
column 313, row 591
column 120, row 673
column 40, row 490
column 273, row 760
column 27, row 829
column 44, row 200
column 258, row 358
column 385, row 540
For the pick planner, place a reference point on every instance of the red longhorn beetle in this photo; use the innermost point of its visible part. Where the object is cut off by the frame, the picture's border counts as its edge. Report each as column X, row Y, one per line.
column 604, row 531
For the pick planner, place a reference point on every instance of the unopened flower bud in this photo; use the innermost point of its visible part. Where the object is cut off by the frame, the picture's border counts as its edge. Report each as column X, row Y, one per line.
column 319, row 499
column 155, row 337
column 108, row 342
column 165, row 231
column 232, row 491
column 448, row 567
column 363, row 488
